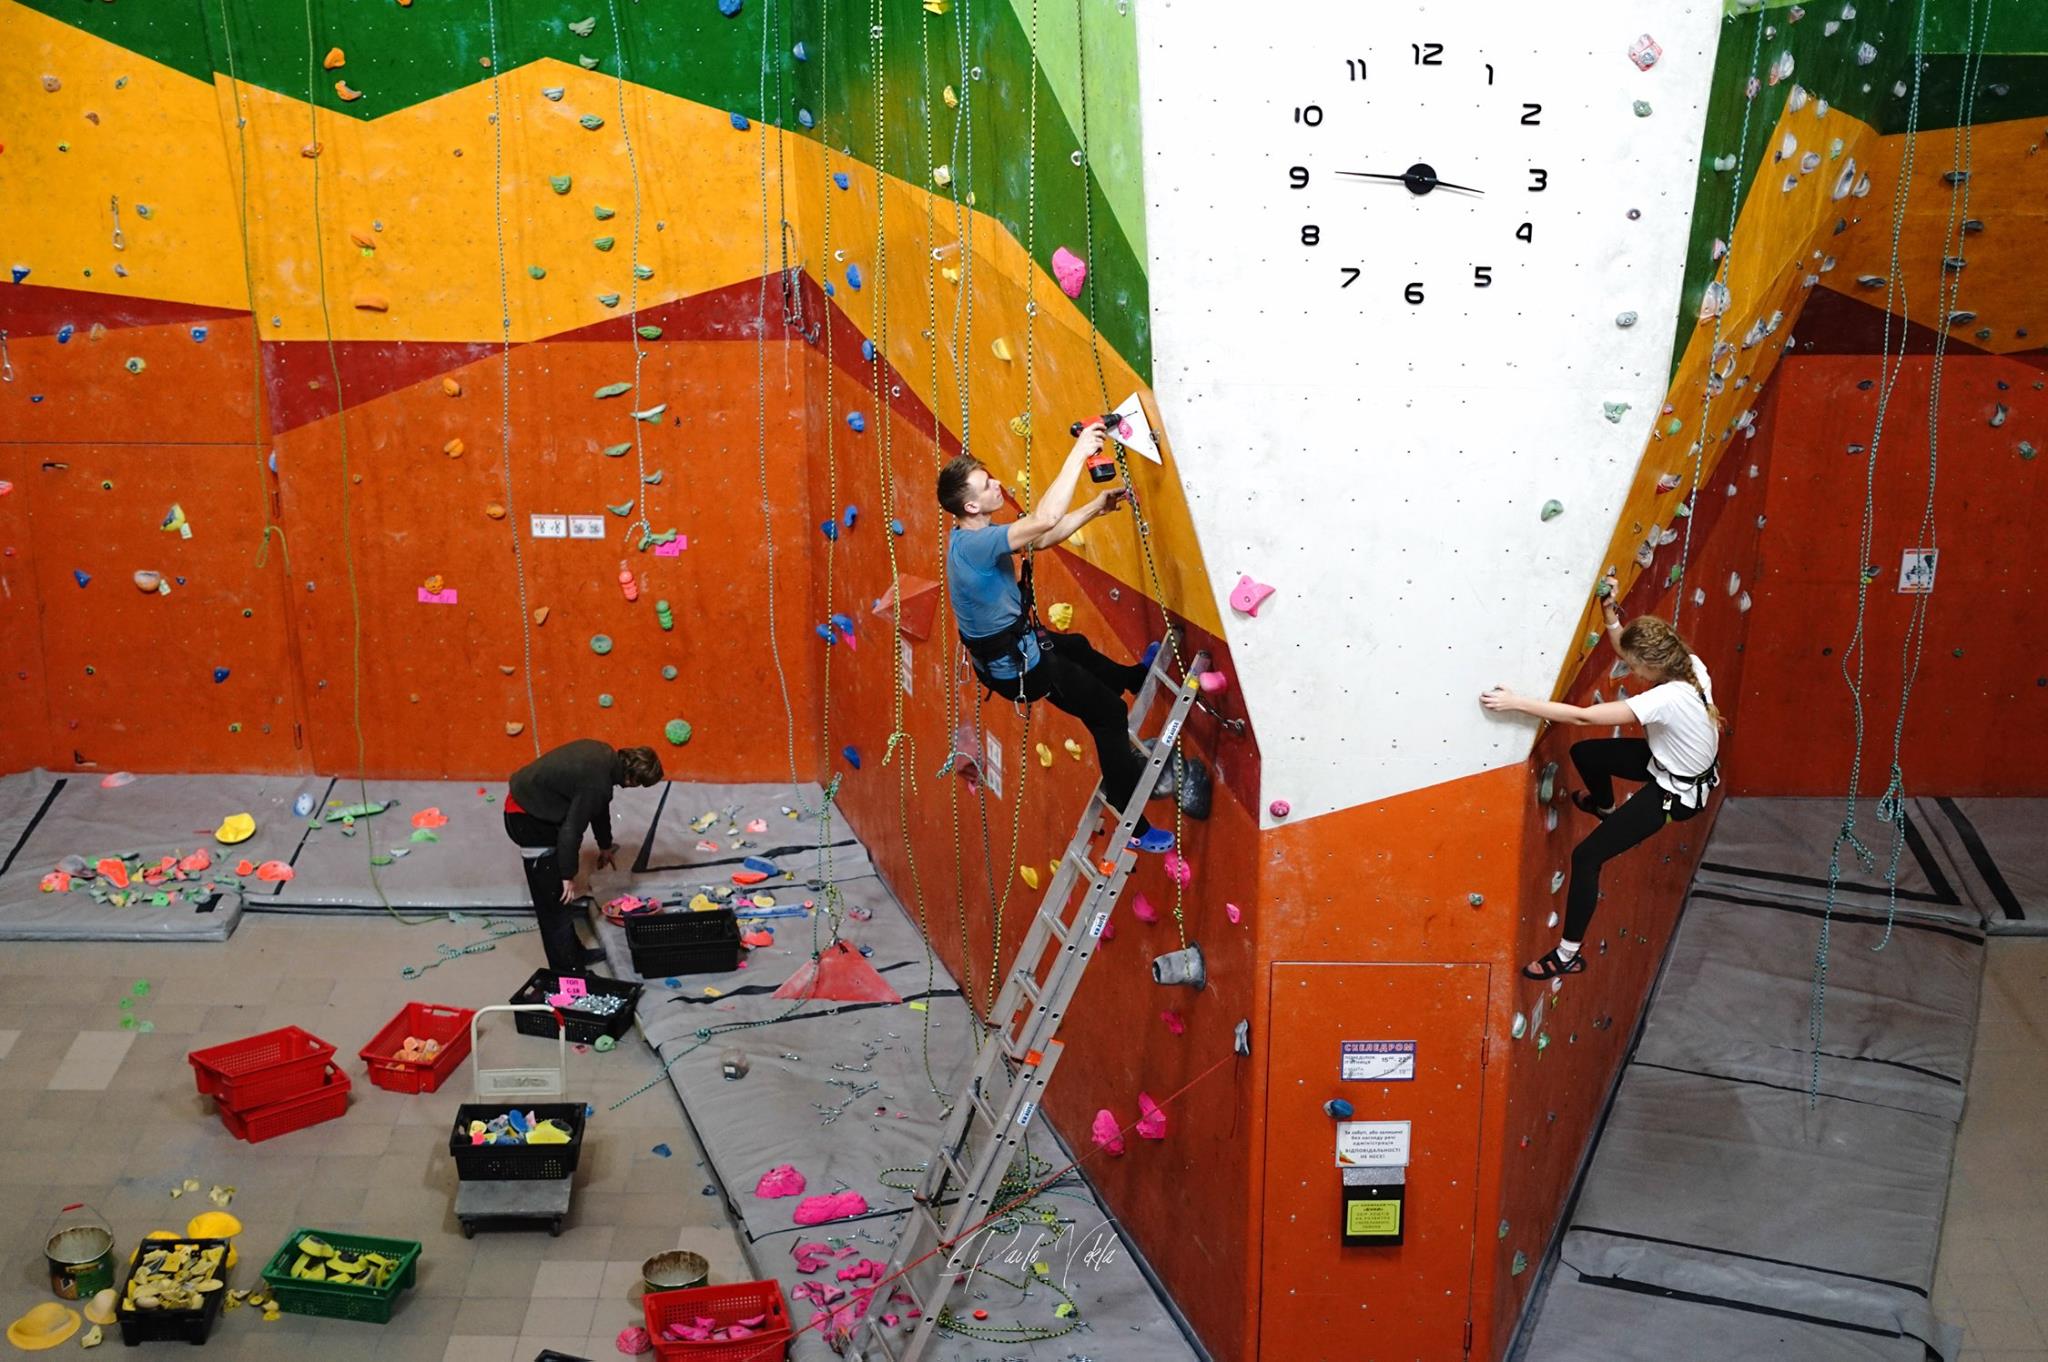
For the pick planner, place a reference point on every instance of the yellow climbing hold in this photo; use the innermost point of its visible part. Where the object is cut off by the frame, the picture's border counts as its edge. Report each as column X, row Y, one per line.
column 496, row 510
column 701, row 903
column 1060, row 615
column 1020, row 426
column 1028, row 874
column 453, row 449
column 937, row 6
column 952, row 98
column 347, row 94
column 951, row 275
column 334, row 60
column 540, row 617
column 1044, row 755
column 1073, row 749
column 1001, row 348
column 513, row 730
column 451, row 388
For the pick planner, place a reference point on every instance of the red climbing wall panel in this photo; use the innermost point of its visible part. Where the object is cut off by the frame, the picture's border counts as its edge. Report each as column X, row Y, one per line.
column 1316, row 1303
column 1978, row 720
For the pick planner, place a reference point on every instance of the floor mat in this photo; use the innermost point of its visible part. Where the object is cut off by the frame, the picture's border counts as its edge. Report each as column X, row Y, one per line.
column 1783, row 845
column 2005, row 842
column 843, row 1092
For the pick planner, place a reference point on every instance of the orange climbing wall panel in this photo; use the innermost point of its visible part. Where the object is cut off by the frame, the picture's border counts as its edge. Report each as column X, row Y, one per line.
column 1978, row 719
column 1421, row 1288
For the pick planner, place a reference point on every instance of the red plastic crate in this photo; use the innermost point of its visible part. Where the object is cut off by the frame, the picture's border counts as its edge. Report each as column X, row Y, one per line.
column 259, row 1070
column 323, row 1103
column 726, row 1304
column 428, row 1021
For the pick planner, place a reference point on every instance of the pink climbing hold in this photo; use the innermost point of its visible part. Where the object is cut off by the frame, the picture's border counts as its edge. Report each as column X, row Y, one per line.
column 1233, row 912
column 633, row 1341
column 1249, row 595
column 779, row 1181
column 1108, row 932
column 1108, row 1136
column 1177, row 869
column 811, row 1257
column 1151, row 1120
column 865, row 1268
column 1142, row 909
column 1174, row 1022
column 1213, row 683
column 816, row 1210
column 1280, row 808
column 1071, row 271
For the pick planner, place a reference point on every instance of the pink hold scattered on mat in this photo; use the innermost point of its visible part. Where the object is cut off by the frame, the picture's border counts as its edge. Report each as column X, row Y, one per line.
column 811, row 1257
column 758, row 825
column 1142, row 909
column 1177, row 868
column 1151, row 1120
column 633, row 1341
column 865, row 1268
column 1108, row 1136
column 781, row 1180
column 816, row 1210
column 1071, row 271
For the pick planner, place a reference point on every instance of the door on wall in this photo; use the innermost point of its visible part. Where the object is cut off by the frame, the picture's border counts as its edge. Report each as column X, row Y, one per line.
column 1400, row 1043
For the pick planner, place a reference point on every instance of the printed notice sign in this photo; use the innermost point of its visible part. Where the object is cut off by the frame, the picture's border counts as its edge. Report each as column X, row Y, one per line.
column 1372, row 1144
column 1377, row 1061
column 1375, row 1218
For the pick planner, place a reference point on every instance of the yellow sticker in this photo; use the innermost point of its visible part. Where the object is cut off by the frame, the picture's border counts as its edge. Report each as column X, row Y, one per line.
column 1372, row 1217
column 919, row 1007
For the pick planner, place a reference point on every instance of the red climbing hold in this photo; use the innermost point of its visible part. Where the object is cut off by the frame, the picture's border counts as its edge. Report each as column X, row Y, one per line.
column 920, row 606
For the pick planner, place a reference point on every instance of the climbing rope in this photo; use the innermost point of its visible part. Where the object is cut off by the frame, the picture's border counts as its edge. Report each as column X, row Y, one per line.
column 640, row 484
column 833, row 908
column 504, row 372
column 1708, row 388
column 494, row 932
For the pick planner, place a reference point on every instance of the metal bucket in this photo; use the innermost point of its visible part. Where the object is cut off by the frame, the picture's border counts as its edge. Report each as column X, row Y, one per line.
column 675, row 1270
column 81, row 1254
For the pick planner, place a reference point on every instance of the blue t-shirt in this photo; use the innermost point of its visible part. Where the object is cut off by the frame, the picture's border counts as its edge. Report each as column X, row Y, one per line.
column 986, row 597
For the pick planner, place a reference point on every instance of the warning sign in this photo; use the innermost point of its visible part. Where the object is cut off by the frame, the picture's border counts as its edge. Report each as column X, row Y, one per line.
column 1377, row 1061
column 1372, row 1217
column 1372, row 1144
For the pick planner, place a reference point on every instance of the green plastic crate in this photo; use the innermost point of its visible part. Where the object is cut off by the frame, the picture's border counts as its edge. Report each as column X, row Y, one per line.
column 370, row 1304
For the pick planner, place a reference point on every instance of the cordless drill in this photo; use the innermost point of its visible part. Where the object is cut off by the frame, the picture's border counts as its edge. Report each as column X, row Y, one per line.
column 1101, row 467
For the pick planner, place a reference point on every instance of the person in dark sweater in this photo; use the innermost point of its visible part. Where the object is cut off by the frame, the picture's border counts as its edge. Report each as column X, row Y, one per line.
column 554, row 799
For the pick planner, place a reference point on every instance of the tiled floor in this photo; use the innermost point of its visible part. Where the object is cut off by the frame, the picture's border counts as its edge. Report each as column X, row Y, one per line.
column 109, row 1117
column 1993, row 1273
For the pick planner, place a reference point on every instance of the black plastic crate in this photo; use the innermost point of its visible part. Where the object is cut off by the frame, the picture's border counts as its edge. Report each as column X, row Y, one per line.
column 583, row 1029
column 685, row 943
column 172, row 1326
column 516, row 1162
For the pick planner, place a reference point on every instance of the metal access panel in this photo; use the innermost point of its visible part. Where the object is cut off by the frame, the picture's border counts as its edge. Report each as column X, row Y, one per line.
column 1355, row 1033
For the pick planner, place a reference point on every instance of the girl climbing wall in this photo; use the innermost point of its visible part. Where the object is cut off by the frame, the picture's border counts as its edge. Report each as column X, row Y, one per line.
column 1677, row 758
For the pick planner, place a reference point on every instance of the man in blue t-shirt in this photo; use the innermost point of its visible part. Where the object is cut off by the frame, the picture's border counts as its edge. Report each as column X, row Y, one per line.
column 1013, row 658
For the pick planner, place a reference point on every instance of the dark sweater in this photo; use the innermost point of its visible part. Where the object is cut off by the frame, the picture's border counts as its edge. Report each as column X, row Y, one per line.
column 571, row 786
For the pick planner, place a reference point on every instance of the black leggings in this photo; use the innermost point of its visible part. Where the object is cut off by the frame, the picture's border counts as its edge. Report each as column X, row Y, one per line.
column 1087, row 685
column 1599, row 761
column 544, row 880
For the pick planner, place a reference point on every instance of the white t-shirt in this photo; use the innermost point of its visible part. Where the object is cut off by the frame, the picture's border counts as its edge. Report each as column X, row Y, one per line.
column 1683, row 739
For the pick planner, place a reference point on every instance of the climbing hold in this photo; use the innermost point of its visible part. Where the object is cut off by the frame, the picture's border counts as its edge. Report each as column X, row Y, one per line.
column 1028, row 874
column 621, row 509
column 830, row 529
column 561, row 183
column 1073, row 748
column 1552, row 509
column 729, row 8
column 1107, row 1135
column 591, row 122
column 136, row 364
column 583, row 28
column 148, row 581
column 334, row 60
column 851, row 514
column 536, row 272
column 1060, row 615
column 600, row 644
column 852, row 755
column 1642, row 108
column 1998, row 411
column 552, row 92
column 603, row 243
column 613, row 390
column 81, row 576
column 803, row 117
column 853, row 279
column 652, row 415
column 1001, row 348
column 628, row 587
column 896, row 528
column 1151, row 1118
column 1337, row 1109
column 668, row 673
column 2027, row 450
column 942, row 176
column 739, row 122
column 856, row 421
column 588, row 63
column 1625, row 320
column 1279, row 808
column 1644, row 52
column 602, row 213
column 646, row 332
column 540, row 616
column 1248, row 595
column 618, row 450
column 1020, row 426
column 347, row 94
column 664, row 616
column 604, row 701
column 1070, row 270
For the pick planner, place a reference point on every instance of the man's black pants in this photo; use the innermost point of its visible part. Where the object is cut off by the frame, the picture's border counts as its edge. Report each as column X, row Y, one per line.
column 1082, row 682
column 544, row 880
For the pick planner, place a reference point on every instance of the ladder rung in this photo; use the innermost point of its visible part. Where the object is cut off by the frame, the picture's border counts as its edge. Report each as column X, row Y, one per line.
column 1084, row 866
column 1023, row 979
column 1054, row 925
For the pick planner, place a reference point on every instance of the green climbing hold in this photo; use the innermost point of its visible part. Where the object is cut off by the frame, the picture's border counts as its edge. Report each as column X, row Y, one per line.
column 1958, row 652
column 1520, row 1265
column 604, row 701
column 536, row 272
column 643, row 271
column 1677, row 571
column 603, row 243
column 624, row 508
column 614, row 389
column 561, row 183
column 1064, row 1310
column 1682, row 511
column 1642, row 108
column 652, row 415
column 140, row 988
column 1476, row 900
column 1614, row 411
column 664, row 615
column 614, row 451
column 591, row 122
column 668, row 673
column 1673, row 426
column 2027, row 450
column 604, row 1045
column 588, row 63
column 650, row 333
column 380, row 859
column 676, row 730
column 603, row 213
column 600, row 644
column 136, row 364
column 608, row 299
column 1591, row 642
column 345, row 812
column 1552, row 509
column 651, row 479
column 583, row 28
column 424, row 835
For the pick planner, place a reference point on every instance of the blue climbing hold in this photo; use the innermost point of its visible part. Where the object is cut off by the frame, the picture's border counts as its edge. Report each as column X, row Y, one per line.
column 799, row 53
column 1151, row 651
column 852, row 755
column 65, row 333
column 35, row 397
column 729, row 8
column 856, row 421
column 21, row 271
column 853, row 276
column 303, row 805
column 1337, row 1109
column 844, row 622
column 867, row 351
column 759, row 866
column 740, row 123
column 829, row 528
column 896, row 528
column 220, row 674
column 672, row 983
column 852, row 514
column 81, row 576
column 199, row 334
column 663, row 1150
column 828, row 288
column 825, row 632
column 803, row 116
column 273, row 461
column 838, row 178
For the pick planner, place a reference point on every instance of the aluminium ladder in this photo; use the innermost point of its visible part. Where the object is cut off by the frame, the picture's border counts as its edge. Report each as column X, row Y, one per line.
column 981, row 1137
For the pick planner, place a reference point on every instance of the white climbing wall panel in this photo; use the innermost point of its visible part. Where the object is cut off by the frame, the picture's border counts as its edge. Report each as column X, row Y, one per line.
column 1358, row 420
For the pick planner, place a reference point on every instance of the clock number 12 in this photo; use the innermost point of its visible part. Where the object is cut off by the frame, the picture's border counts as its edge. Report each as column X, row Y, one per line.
column 1427, row 54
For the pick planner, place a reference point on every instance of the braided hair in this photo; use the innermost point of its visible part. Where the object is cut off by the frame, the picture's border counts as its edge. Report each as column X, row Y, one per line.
column 1657, row 647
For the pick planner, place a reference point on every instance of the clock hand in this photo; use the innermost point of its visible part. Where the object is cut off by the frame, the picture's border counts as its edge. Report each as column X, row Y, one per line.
column 1429, row 181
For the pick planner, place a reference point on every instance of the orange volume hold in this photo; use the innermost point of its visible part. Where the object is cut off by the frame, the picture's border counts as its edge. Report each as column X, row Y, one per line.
column 627, row 585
